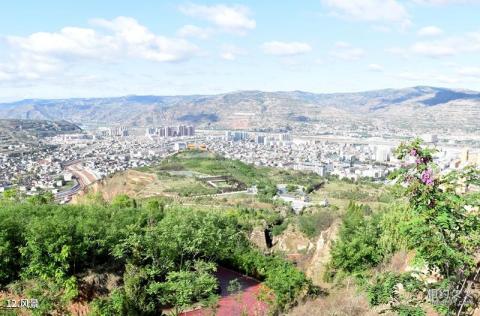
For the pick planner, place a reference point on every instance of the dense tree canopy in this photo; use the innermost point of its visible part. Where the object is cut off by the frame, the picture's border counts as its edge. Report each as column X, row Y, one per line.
column 166, row 257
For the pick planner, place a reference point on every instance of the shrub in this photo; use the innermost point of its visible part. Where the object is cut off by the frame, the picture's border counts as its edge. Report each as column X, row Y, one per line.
column 313, row 224
column 279, row 229
column 357, row 246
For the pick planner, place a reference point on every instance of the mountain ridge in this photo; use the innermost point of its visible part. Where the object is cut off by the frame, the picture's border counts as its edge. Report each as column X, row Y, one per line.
column 267, row 109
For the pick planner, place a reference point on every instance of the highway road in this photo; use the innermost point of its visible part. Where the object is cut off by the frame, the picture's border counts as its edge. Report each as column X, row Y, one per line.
column 84, row 178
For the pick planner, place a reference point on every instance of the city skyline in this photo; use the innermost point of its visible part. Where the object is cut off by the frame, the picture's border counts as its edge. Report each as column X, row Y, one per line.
column 206, row 47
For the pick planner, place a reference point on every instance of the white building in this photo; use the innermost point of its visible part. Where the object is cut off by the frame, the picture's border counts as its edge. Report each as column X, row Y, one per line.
column 179, row 146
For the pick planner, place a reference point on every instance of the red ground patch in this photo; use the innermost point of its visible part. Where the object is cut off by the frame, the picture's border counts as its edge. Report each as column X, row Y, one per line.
column 246, row 302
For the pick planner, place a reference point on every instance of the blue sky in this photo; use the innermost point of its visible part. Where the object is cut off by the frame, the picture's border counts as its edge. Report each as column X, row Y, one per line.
column 56, row 49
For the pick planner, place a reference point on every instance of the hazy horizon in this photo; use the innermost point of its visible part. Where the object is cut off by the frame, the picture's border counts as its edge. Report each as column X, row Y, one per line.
column 94, row 49
column 233, row 91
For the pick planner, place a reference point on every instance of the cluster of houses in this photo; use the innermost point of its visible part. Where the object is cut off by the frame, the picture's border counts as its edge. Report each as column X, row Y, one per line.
column 43, row 168
column 349, row 158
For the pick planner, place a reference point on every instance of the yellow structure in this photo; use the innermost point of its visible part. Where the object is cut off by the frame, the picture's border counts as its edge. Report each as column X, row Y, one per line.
column 194, row 146
column 469, row 158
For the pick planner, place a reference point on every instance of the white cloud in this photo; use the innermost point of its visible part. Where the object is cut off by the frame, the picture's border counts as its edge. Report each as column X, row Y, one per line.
column 434, row 49
column 430, row 31
column 375, row 67
column 390, row 11
column 446, row 2
column 81, row 42
column 347, row 52
column 231, row 52
column 42, row 53
column 469, row 72
column 381, row 28
column 26, row 66
column 422, row 78
column 446, row 47
column 396, row 51
column 285, row 48
column 235, row 18
column 142, row 43
column 446, row 79
column 126, row 36
column 194, row 31
column 410, row 76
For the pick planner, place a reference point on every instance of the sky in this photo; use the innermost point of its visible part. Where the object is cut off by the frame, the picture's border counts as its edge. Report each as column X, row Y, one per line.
column 91, row 48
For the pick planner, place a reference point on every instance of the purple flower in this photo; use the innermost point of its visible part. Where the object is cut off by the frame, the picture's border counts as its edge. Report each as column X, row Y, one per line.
column 422, row 160
column 413, row 152
column 427, row 177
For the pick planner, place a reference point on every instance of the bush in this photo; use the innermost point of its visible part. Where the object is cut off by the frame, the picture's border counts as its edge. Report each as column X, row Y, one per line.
column 167, row 257
column 292, row 188
column 314, row 187
column 279, row 229
column 287, row 283
column 313, row 224
column 114, row 304
column 123, row 201
column 357, row 246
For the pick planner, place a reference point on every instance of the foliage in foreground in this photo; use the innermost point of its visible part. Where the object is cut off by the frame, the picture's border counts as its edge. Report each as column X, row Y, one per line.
column 166, row 257
column 441, row 225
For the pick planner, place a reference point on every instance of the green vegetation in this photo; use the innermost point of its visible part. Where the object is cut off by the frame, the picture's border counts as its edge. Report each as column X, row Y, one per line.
column 341, row 192
column 192, row 189
column 292, row 188
column 313, row 224
column 166, row 250
column 208, row 164
column 278, row 229
column 355, row 194
column 165, row 256
column 440, row 226
column 357, row 247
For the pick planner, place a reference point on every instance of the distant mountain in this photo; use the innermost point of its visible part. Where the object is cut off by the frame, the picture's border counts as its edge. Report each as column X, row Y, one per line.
column 257, row 109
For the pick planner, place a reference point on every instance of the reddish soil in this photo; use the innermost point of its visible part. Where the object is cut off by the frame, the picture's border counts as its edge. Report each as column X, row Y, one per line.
column 244, row 303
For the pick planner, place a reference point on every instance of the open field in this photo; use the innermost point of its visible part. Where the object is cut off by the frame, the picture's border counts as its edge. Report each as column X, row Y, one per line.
column 340, row 193
column 186, row 178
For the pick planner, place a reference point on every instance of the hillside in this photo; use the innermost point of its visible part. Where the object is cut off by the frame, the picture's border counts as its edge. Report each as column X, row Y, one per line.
column 187, row 220
column 257, row 109
column 157, row 253
column 358, row 248
column 24, row 132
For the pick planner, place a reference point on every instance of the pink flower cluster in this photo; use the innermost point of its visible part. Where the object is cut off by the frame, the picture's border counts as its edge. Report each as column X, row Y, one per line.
column 427, row 177
column 419, row 159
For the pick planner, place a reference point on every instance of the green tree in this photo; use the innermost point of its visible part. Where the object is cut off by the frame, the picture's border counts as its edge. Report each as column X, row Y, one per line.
column 444, row 231
column 11, row 195
column 39, row 199
column 123, row 201
column 357, row 246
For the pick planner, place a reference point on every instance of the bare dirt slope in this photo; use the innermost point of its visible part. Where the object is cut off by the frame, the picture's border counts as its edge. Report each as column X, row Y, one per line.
column 131, row 182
